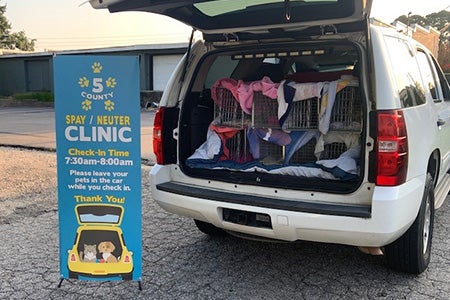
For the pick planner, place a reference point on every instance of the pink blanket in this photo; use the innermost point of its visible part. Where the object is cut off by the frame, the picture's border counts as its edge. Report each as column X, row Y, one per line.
column 243, row 91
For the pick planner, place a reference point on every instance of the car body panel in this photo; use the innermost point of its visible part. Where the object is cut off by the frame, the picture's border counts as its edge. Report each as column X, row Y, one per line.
column 399, row 205
column 223, row 16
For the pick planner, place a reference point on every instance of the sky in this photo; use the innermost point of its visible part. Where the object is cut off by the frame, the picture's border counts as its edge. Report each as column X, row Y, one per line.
column 70, row 24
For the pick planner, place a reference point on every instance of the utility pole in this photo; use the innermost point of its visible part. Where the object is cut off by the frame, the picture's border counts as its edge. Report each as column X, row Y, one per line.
column 407, row 25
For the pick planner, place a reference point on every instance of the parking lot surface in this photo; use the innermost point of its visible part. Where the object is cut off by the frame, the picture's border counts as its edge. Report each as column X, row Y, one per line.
column 179, row 262
column 34, row 127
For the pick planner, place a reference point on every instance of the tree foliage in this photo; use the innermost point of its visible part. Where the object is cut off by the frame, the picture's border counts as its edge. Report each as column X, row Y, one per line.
column 414, row 19
column 437, row 20
column 13, row 40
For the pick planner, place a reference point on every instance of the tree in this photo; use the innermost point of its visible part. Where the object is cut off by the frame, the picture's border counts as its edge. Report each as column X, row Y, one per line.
column 438, row 20
column 13, row 40
column 414, row 19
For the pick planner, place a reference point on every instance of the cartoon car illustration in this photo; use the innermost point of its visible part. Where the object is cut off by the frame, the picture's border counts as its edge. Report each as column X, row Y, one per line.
column 99, row 249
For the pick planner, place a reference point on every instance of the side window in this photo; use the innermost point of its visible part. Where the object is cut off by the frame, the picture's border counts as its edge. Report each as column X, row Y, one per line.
column 442, row 80
column 428, row 75
column 406, row 70
column 222, row 67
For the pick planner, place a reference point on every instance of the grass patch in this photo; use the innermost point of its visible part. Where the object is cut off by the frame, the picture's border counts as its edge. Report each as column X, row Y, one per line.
column 38, row 96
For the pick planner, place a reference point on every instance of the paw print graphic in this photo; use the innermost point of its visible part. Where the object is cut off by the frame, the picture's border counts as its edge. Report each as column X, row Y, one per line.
column 86, row 105
column 83, row 82
column 96, row 67
column 109, row 105
column 111, row 82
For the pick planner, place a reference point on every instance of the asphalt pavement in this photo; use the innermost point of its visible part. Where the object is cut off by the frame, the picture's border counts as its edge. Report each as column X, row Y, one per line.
column 179, row 262
column 34, row 127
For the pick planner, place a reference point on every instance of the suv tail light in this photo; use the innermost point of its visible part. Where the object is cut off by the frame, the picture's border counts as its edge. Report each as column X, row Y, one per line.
column 392, row 148
column 158, row 147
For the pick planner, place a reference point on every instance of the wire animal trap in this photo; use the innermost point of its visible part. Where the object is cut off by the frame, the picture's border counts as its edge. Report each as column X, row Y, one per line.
column 238, row 149
column 333, row 150
column 304, row 114
column 227, row 110
column 305, row 154
column 264, row 112
column 270, row 153
column 346, row 113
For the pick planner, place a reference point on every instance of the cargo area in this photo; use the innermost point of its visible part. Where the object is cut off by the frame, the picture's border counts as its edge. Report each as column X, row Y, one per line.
column 290, row 116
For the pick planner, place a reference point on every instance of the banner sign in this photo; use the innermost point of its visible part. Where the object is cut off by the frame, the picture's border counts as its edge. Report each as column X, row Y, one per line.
column 97, row 109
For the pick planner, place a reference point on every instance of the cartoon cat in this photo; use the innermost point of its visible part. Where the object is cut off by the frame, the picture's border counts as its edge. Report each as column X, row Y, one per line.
column 106, row 248
column 90, row 253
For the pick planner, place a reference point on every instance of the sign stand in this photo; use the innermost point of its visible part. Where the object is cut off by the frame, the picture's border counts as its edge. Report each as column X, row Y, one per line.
column 97, row 120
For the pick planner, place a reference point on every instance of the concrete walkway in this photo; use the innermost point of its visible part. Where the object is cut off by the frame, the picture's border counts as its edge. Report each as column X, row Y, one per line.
column 34, row 127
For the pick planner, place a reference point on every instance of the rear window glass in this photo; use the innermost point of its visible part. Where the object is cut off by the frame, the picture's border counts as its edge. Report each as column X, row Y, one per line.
column 221, row 7
column 406, row 71
column 223, row 66
column 99, row 214
column 297, row 64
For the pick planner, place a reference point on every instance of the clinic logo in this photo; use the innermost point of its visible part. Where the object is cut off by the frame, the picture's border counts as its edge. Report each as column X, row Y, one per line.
column 96, row 67
column 97, row 89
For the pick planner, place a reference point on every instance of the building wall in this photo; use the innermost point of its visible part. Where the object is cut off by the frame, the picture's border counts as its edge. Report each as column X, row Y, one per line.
column 38, row 76
column 34, row 72
column 429, row 38
column 12, row 76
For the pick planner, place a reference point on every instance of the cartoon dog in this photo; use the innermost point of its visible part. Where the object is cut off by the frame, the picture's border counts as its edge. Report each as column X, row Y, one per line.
column 106, row 248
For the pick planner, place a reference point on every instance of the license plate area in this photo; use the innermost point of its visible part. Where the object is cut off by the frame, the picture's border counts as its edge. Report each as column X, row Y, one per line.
column 247, row 218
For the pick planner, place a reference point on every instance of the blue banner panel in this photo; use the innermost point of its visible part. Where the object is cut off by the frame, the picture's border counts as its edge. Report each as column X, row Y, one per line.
column 97, row 122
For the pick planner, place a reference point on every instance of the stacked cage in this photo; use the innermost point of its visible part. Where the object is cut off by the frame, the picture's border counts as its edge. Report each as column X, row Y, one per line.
column 304, row 115
column 347, row 111
column 346, row 117
column 305, row 154
column 228, row 113
column 264, row 115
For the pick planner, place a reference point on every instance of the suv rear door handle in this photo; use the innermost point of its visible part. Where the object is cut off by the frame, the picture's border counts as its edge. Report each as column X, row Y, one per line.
column 440, row 122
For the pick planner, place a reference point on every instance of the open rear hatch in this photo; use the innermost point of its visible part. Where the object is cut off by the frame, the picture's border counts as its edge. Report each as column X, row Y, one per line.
column 252, row 16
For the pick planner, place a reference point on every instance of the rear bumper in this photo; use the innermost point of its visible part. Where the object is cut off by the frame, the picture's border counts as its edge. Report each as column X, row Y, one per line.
column 100, row 269
column 392, row 211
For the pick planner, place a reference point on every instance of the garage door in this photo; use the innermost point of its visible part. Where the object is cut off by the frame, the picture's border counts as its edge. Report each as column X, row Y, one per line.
column 163, row 66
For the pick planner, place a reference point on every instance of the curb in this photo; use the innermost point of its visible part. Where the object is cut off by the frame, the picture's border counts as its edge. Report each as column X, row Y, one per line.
column 21, row 103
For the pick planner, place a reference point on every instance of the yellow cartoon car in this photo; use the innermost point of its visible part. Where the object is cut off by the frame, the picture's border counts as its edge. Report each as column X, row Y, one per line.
column 99, row 249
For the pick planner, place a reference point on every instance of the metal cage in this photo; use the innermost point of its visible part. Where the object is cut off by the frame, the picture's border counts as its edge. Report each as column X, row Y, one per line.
column 304, row 114
column 347, row 111
column 270, row 153
column 305, row 154
column 333, row 150
column 264, row 111
column 227, row 110
column 238, row 149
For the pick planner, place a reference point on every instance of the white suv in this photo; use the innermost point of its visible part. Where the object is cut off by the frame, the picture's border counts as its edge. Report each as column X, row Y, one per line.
column 300, row 120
